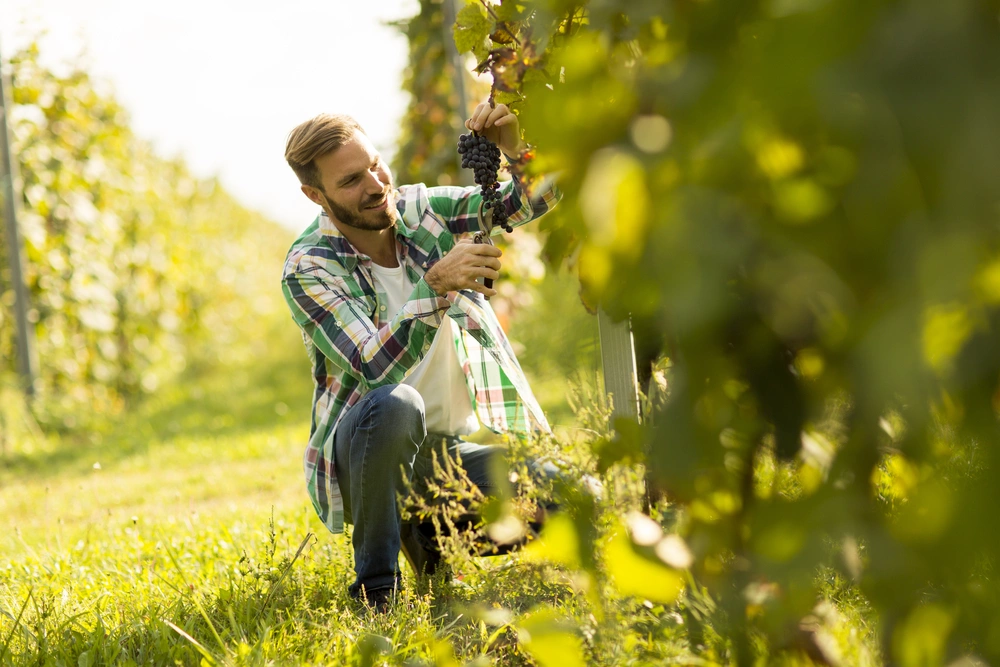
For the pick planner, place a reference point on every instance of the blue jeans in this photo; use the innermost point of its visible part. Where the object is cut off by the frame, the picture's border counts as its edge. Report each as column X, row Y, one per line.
column 380, row 435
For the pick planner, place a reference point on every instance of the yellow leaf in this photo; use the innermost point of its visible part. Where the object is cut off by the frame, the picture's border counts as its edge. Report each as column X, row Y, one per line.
column 558, row 543
column 946, row 328
column 921, row 639
column 636, row 575
column 988, row 282
column 444, row 654
column 615, row 202
column 550, row 641
column 595, row 269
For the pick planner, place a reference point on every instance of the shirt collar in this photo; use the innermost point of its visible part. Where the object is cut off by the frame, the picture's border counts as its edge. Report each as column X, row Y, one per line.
column 346, row 253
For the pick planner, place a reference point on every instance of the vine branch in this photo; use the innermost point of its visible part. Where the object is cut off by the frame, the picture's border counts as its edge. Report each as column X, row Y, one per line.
column 501, row 24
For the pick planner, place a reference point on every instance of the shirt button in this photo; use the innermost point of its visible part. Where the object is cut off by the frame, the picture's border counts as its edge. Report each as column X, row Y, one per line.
column 383, row 308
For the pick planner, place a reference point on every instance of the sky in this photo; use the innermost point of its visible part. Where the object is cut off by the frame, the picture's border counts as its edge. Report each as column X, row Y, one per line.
column 222, row 83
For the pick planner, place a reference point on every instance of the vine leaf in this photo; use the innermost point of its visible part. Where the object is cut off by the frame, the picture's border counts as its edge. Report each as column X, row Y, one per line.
column 500, row 97
column 504, row 34
column 472, row 31
column 509, row 10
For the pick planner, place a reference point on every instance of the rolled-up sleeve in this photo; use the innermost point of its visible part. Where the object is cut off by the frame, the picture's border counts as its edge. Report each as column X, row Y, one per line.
column 459, row 207
column 340, row 327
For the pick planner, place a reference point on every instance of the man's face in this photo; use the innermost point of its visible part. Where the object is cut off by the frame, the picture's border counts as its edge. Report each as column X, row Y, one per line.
column 357, row 186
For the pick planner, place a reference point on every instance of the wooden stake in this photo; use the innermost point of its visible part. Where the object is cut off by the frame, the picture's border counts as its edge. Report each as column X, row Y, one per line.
column 26, row 360
column 618, row 360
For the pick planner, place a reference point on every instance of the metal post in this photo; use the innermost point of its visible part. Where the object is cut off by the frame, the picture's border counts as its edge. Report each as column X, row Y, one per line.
column 26, row 360
column 618, row 360
column 458, row 76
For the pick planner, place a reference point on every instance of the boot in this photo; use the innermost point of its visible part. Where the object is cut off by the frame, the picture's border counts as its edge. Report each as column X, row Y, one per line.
column 420, row 551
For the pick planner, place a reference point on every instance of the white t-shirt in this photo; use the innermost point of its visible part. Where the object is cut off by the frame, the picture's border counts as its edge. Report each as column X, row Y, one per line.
column 438, row 376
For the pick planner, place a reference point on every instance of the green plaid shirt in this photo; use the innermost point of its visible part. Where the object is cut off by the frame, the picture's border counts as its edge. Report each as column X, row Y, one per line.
column 355, row 346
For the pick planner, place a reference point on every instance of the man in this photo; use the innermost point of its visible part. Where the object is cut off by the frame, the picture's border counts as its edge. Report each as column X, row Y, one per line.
column 403, row 344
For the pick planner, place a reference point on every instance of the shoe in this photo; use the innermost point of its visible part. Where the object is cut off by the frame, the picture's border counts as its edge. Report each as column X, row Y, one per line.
column 422, row 558
column 380, row 600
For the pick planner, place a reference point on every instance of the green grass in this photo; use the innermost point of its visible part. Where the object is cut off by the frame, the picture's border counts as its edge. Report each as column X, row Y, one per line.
column 182, row 534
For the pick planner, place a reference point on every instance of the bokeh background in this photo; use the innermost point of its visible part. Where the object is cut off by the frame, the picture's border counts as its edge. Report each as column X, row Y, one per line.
column 157, row 202
column 793, row 201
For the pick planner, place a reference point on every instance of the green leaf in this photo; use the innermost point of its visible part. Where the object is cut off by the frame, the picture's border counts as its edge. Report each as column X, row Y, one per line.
column 551, row 640
column 371, row 646
column 510, row 99
column 636, row 575
column 558, row 543
column 535, row 77
column 444, row 654
column 921, row 639
column 509, row 10
column 472, row 30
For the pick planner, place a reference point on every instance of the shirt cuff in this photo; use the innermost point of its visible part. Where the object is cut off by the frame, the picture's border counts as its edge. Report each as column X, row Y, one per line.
column 427, row 305
column 512, row 160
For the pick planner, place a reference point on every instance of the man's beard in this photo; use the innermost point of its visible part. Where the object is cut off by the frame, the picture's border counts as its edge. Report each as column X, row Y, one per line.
column 354, row 218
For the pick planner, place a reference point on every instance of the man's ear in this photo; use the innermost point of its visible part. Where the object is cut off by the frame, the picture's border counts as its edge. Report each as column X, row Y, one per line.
column 314, row 195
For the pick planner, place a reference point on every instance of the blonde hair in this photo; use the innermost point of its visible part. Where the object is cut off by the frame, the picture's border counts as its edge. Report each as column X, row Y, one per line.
column 315, row 138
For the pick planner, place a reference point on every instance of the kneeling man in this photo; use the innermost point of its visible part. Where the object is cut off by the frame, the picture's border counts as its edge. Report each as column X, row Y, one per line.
column 406, row 351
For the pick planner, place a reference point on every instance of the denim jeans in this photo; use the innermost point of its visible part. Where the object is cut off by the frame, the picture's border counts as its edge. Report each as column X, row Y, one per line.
column 383, row 432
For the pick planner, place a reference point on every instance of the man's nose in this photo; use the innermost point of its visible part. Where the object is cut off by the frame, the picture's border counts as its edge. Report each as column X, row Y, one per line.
column 375, row 183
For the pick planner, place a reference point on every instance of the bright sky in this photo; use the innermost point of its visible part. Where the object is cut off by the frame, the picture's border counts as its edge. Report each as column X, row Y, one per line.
column 223, row 83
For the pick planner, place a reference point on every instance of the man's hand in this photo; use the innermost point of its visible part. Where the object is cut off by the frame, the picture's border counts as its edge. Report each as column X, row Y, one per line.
column 462, row 265
column 499, row 125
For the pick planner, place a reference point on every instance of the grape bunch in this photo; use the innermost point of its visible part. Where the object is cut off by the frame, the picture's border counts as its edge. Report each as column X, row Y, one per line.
column 482, row 155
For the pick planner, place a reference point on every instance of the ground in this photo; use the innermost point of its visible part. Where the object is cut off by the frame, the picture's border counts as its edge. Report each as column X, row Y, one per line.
column 181, row 534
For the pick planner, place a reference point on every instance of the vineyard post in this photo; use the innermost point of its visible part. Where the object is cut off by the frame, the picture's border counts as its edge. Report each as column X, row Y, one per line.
column 618, row 362
column 458, row 118
column 26, row 361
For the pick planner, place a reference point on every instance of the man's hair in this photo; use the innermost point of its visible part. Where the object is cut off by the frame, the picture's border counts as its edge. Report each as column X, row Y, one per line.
column 315, row 138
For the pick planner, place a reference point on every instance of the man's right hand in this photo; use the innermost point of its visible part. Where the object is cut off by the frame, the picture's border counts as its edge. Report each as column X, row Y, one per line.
column 463, row 264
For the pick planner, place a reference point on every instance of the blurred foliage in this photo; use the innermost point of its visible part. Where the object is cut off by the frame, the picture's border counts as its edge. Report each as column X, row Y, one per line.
column 796, row 200
column 553, row 335
column 136, row 268
column 555, row 338
column 424, row 153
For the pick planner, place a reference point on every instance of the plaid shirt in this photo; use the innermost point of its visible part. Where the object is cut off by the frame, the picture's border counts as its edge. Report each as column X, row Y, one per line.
column 355, row 346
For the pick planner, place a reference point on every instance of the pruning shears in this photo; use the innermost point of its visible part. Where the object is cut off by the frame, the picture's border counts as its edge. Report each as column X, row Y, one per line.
column 483, row 235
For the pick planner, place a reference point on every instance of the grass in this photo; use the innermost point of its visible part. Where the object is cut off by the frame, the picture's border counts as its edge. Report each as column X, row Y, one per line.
column 182, row 535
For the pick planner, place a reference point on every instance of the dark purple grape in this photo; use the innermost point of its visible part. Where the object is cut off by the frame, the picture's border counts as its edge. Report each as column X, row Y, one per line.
column 482, row 156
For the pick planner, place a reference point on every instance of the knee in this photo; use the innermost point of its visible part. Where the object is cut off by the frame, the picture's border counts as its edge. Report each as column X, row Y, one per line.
column 401, row 401
column 399, row 407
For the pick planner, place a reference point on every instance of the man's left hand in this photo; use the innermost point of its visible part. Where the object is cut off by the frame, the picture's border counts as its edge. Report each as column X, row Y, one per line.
column 499, row 125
